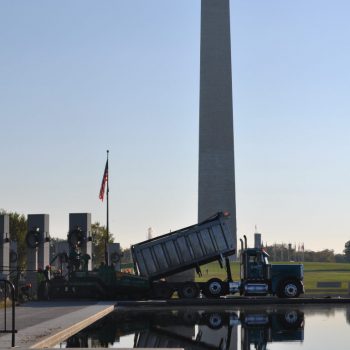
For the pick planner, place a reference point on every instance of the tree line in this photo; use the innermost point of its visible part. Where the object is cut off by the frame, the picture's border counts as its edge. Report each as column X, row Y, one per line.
column 286, row 252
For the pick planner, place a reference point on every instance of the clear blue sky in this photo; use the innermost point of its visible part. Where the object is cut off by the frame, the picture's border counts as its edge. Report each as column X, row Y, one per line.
column 78, row 77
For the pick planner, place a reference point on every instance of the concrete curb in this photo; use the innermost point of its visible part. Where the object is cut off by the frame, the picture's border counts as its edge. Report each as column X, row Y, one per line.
column 73, row 329
column 236, row 301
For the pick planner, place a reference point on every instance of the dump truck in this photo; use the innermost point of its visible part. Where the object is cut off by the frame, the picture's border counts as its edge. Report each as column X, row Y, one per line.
column 189, row 248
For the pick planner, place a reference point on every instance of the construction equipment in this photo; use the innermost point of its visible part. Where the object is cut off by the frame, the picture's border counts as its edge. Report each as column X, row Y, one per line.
column 181, row 250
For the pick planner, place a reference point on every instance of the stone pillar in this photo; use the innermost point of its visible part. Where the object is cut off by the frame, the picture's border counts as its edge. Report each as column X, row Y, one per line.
column 114, row 255
column 4, row 245
column 216, row 181
column 257, row 240
column 61, row 248
column 82, row 221
column 38, row 251
column 13, row 255
column 41, row 223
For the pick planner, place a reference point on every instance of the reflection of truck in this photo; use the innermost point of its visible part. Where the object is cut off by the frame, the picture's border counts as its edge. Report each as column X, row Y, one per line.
column 195, row 330
column 191, row 247
column 260, row 328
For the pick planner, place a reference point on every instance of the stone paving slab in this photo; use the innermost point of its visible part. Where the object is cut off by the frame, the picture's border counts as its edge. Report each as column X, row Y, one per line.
column 45, row 324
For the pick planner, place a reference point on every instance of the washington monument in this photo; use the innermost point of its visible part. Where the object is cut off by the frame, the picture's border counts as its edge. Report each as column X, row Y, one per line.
column 216, row 185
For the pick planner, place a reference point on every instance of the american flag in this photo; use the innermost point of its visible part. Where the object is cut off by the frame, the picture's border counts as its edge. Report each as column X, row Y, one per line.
column 104, row 181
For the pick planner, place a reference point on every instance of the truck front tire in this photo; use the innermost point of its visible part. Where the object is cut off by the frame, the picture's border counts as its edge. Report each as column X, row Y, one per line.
column 291, row 319
column 289, row 289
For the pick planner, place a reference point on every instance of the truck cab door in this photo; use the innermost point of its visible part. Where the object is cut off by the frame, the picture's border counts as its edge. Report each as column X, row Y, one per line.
column 255, row 266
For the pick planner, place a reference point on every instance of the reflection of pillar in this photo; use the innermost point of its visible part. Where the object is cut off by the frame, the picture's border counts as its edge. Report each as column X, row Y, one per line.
column 182, row 331
column 114, row 255
column 4, row 245
column 348, row 313
column 83, row 222
column 224, row 337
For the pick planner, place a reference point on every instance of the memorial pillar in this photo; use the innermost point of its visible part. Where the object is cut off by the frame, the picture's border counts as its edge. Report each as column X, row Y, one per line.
column 82, row 222
column 4, row 245
column 38, row 246
column 114, row 255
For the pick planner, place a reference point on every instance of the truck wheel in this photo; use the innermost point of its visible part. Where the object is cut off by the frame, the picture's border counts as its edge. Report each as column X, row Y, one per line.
column 289, row 289
column 292, row 319
column 214, row 288
column 188, row 290
column 214, row 320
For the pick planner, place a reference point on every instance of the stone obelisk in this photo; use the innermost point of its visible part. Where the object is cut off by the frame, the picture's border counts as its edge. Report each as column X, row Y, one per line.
column 216, row 183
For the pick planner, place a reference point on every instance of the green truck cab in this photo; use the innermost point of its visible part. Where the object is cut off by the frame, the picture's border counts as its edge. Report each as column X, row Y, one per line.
column 259, row 277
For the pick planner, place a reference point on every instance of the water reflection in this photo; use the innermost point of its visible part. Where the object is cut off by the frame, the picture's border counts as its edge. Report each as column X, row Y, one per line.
column 193, row 329
column 348, row 316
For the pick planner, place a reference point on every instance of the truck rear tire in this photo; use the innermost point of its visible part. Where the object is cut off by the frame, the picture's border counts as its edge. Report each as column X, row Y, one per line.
column 188, row 290
column 289, row 289
column 214, row 288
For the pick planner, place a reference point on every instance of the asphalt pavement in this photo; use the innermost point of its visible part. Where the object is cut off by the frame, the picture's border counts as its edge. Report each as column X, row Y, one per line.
column 46, row 323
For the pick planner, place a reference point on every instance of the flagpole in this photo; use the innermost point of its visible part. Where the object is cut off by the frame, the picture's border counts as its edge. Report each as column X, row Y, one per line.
column 107, row 226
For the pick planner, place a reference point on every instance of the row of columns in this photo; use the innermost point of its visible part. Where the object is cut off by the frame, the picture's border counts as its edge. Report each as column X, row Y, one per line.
column 38, row 243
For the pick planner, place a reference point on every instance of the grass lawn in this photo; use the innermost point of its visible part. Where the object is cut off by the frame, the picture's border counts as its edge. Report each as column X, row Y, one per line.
column 313, row 273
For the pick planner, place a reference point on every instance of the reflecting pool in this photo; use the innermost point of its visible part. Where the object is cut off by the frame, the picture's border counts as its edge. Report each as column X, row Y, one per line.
column 305, row 327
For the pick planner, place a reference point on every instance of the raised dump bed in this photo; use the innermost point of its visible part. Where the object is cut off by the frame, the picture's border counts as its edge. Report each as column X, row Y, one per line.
column 180, row 250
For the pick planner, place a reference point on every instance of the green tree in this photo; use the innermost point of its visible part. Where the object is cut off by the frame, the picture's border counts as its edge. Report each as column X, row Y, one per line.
column 347, row 251
column 99, row 238
column 18, row 232
column 340, row 258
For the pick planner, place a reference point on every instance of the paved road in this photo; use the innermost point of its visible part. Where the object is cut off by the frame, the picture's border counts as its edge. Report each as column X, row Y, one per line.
column 38, row 321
